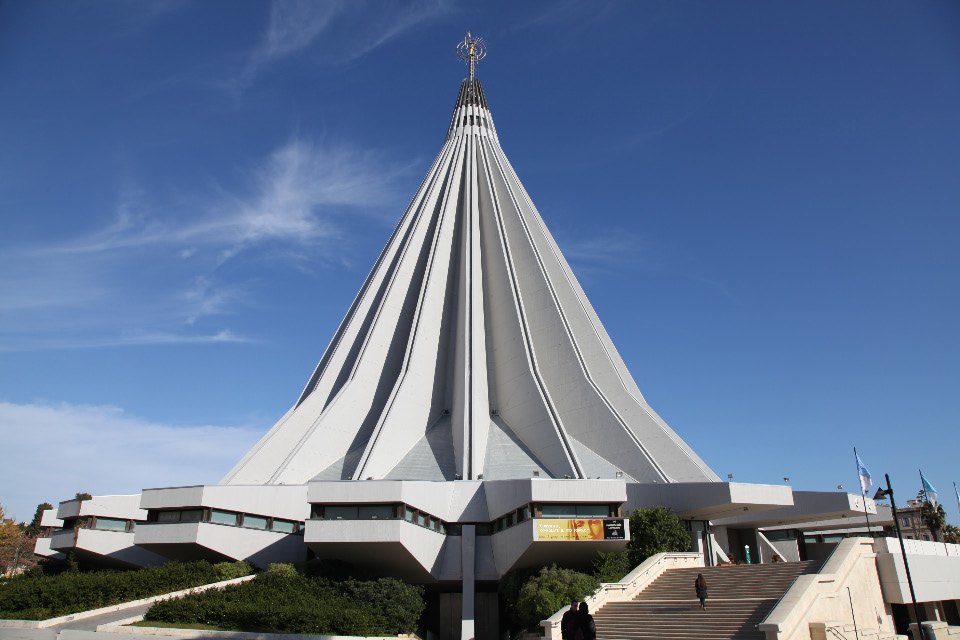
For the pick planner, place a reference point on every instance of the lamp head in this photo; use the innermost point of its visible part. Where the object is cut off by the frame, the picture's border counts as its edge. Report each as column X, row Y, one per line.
column 882, row 494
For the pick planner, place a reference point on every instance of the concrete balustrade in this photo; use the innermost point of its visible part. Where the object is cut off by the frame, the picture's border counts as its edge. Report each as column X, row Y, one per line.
column 632, row 584
column 816, row 598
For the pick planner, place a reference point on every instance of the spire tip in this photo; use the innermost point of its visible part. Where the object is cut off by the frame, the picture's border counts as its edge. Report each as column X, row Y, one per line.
column 471, row 50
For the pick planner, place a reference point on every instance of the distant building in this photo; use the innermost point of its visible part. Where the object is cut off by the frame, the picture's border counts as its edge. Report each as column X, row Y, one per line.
column 912, row 524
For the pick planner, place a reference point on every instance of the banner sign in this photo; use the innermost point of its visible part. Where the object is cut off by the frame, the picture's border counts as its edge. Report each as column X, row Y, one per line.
column 581, row 529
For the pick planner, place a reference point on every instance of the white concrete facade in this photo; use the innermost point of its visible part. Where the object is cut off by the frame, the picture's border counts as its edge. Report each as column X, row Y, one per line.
column 429, row 546
column 100, row 531
column 470, row 351
column 49, row 522
column 262, row 524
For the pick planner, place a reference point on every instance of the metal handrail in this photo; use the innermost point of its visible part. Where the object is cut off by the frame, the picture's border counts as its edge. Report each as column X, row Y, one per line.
column 836, row 633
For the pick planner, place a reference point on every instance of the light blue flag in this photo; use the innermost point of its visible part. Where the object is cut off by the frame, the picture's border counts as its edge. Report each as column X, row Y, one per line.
column 866, row 480
column 928, row 490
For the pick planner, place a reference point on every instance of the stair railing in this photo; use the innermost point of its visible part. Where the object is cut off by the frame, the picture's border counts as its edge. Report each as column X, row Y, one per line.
column 836, row 633
column 632, row 584
column 799, row 607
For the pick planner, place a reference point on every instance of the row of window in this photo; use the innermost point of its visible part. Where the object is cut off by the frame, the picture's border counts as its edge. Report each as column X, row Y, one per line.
column 400, row 511
column 99, row 523
column 221, row 516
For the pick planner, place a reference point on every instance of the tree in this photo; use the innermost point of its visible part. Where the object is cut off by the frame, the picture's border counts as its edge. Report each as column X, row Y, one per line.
column 34, row 526
column 543, row 595
column 612, row 567
column 951, row 534
column 16, row 546
column 655, row 530
column 934, row 517
column 83, row 496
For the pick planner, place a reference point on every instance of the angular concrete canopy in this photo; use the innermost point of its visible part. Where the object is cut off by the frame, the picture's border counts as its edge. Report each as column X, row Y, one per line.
column 470, row 351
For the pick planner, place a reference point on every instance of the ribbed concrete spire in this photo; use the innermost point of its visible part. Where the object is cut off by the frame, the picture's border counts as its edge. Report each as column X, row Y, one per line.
column 470, row 351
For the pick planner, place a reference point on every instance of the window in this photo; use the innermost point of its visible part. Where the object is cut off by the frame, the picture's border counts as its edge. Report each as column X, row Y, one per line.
column 905, row 521
column 340, row 512
column 284, row 526
column 254, row 522
column 375, row 511
column 575, row 510
column 781, row 534
column 174, row 515
column 359, row 512
column 111, row 524
column 223, row 517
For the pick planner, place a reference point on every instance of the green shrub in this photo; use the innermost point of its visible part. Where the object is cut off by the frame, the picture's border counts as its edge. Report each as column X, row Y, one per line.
column 291, row 603
column 36, row 596
column 545, row 594
column 231, row 570
column 282, row 569
column 612, row 567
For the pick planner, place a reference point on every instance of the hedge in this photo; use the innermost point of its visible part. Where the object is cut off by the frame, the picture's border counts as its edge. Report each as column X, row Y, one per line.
column 279, row 602
column 35, row 596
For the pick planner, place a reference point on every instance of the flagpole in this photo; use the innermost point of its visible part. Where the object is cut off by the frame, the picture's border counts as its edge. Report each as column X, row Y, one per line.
column 862, row 492
column 958, row 508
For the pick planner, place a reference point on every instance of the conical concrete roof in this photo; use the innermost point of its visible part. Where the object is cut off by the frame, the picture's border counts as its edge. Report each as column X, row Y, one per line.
column 470, row 351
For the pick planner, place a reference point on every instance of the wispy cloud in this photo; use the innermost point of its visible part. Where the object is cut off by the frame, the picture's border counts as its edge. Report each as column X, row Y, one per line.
column 609, row 251
column 599, row 255
column 293, row 25
column 103, row 450
column 334, row 33
column 136, row 340
column 156, row 273
column 295, row 193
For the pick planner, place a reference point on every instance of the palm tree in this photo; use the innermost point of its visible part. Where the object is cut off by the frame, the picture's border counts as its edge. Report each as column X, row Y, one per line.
column 951, row 534
column 934, row 517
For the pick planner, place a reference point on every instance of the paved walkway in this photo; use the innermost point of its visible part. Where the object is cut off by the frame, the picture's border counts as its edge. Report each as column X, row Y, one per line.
column 86, row 624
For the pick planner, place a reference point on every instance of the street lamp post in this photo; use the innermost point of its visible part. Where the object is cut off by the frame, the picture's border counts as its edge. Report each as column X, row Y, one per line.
column 888, row 493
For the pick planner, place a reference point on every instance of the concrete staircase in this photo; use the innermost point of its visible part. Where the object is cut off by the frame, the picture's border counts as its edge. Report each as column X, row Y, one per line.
column 739, row 598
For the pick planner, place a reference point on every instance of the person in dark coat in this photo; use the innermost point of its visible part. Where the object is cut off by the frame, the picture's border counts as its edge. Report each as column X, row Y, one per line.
column 701, row 586
column 570, row 622
column 587, row 628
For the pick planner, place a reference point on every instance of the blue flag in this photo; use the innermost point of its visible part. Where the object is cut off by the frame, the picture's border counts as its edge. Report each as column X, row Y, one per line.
column 866, row 479
column 928, row 490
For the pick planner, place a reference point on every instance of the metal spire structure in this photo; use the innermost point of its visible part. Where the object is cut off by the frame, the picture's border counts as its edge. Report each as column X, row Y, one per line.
column 472, row 50
column 470, row 351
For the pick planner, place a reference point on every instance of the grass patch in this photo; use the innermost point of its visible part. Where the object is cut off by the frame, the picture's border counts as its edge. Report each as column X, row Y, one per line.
column 173, row 625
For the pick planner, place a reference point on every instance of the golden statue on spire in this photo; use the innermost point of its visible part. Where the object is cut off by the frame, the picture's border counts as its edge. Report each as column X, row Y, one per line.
column 471, row 50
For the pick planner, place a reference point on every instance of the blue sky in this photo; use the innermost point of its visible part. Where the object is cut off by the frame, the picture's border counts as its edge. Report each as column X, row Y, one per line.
column 759, row 198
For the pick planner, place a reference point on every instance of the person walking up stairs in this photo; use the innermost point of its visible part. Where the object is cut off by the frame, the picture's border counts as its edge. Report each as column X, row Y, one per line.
column 742, row 597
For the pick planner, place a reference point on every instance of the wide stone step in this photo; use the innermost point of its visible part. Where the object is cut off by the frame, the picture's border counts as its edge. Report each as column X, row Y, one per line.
column 741, row 596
